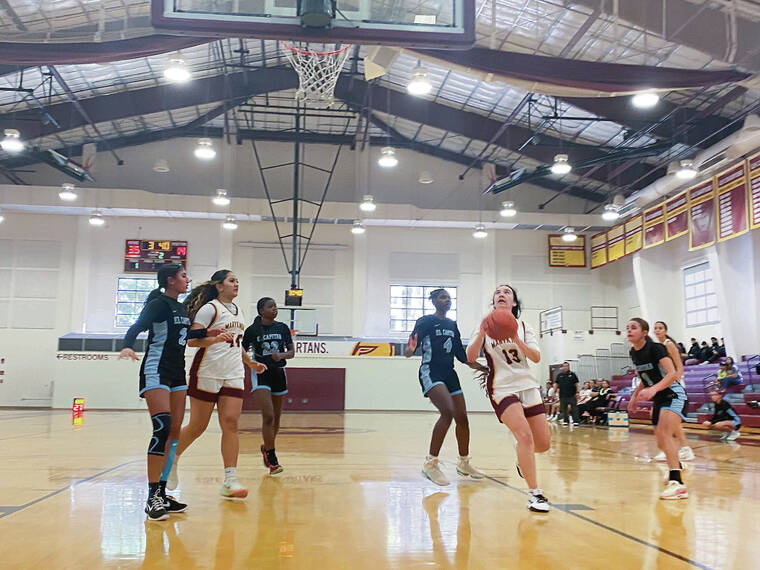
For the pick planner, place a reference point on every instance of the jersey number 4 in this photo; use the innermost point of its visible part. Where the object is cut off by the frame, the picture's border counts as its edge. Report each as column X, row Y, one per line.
column 514, row 354
column 448, row 345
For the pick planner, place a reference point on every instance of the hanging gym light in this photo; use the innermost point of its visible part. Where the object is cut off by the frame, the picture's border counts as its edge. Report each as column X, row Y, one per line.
column 368, row 204
column 686, row 170
column 230, row 223
column 97, row 219
column 12, row 142
column 508, row 209
column 204, row 150
column 561, row 165
column 480, row 232
column 221, row 198
column 611, row 213
column 568, row 235
column 645, row 100
column 419, row 84
column 387, row 157
column 177, row 71
column 358, row 228
column 67, row 193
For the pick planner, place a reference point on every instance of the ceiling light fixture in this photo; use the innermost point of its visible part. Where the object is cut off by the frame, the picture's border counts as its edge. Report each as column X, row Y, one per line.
column 508, row 209
column 97, row 219
column 686, row 170
column 177, row 71
column 480, row 232
column 358, row 228
column 610, row 213
column 387, row 157
column 645, row 100
column 221, row 198
column 161, row 166
column 67, row 193
column 12, row 142
column 569, row 235
column 230, row 223
column 425, row 177
column 368, row 204
column 204, row 150
column 561, row 166
column 419, row 84
column 1, row 217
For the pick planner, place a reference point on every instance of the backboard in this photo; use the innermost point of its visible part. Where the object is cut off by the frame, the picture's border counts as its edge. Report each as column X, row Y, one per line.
column 448, row 24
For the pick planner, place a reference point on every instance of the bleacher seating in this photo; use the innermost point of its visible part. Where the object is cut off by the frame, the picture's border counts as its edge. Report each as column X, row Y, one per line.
column 698, row 379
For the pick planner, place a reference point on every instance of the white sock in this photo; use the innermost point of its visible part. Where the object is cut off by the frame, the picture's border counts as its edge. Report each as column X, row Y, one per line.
column 230, row 473
column 464, row 458
column 431, row 458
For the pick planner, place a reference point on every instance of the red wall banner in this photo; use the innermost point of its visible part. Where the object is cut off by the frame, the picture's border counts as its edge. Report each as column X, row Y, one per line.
column 701, row 215
column 654, row 226
column 676, row 216
column 731, row 190
column 753, row 172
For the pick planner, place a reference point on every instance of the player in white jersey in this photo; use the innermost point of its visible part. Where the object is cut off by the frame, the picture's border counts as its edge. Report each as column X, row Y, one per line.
column 217, row 373
column 515, row 393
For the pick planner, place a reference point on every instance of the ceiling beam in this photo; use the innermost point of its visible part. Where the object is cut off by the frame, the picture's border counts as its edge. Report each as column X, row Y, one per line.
column 700, row 27
column 151, row 100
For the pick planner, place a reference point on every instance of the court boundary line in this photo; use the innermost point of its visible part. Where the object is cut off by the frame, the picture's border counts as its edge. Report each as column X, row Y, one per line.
column 62, row 489
column 613, row 530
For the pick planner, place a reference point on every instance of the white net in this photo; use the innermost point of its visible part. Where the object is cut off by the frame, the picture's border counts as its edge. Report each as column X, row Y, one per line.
column 318, row 72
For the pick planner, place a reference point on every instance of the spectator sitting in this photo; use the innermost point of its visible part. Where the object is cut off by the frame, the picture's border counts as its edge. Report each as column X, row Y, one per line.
column 682, row 351
column 730, row 374
column 724, row 419
column 707, row 355
column 602, row 400
column 552, row 401
column 715, row 346
column 693, row 354
column 722, row 348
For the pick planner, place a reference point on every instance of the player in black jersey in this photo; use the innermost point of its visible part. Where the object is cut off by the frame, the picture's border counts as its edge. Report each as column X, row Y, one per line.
column 440, row 342
column 162, row 377
column 658, row 383
column 272, row 345
column 724, row 419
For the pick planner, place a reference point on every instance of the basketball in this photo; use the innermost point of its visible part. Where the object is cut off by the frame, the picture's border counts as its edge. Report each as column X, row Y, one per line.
column 500, row 324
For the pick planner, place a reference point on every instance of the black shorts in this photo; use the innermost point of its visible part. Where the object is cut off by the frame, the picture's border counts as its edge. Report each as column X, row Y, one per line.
column 169, row 383
column 673, row 399
column 428, row 379
column 273, row 379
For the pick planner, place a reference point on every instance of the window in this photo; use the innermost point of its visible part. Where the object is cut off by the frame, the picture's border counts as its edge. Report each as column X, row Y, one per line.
column 131, row 293
column 699, row 296
column 410, row 302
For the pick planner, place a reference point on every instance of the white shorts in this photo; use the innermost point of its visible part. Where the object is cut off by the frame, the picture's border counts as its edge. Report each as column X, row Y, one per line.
column 530, row 399
column 209, row 389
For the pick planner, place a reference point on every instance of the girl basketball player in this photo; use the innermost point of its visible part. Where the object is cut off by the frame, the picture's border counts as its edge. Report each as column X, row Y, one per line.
column 658, row 383
column 514, row 392
column 685, row 453
column 272, row 345
column 216, row 375
column 441, row 342
column 162, row 377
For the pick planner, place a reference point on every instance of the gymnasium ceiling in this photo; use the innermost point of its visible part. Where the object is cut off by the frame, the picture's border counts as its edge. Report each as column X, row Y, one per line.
column 247, row 87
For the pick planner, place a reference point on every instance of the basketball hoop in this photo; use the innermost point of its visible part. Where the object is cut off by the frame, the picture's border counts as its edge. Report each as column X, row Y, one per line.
column 318, row 72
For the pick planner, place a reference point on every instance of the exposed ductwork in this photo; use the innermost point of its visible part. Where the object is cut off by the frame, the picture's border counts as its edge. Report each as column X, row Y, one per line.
column 707, row 161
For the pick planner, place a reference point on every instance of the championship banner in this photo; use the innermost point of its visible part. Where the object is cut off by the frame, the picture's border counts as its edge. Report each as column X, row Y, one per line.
column 731, row 189
column 654, row 226
column 615, row 243
column 567, row 254
column 701, row 215
column 598, row 250
column 634, row 234
column 676, row 216
column 753, row 172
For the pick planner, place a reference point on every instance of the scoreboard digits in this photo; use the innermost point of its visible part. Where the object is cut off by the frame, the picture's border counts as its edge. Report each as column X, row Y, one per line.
column 146, row 256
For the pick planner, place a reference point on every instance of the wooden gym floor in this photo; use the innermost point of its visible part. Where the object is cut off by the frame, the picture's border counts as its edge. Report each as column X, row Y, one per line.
column 351, row 496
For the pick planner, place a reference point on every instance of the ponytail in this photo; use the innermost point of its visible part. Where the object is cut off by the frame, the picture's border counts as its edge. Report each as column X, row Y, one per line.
column 162, row 276
column 204, row 293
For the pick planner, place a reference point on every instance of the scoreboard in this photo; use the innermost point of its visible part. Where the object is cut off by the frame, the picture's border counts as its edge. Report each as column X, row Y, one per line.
column 146, row 256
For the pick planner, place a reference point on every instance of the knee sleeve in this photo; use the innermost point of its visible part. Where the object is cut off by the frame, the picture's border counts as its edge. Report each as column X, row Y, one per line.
column 162, row 424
